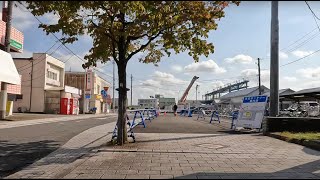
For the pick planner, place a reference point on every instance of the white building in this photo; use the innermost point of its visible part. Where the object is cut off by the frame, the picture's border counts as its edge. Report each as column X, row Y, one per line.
column 234, row 99
column 41, row 83
column 116, row 103
column 148, row 103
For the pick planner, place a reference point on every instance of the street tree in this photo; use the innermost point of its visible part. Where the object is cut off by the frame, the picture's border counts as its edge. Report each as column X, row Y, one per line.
column 122, row 29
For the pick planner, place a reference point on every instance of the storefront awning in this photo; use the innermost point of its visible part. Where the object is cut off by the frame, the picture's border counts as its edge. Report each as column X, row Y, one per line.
column 8, row 70
column 76, row 96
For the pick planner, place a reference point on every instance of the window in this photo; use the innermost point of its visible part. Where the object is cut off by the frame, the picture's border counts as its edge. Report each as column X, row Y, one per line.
column 19, row 96
column 98, row 89
column 52, row 75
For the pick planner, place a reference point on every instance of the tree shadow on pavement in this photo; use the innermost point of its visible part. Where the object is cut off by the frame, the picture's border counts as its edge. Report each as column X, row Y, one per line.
column 305, row 171
column 311, row 151
column 35, row 156
column 13, row 157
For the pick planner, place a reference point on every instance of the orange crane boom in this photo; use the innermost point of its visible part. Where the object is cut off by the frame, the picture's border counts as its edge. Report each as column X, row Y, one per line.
column 185, row 94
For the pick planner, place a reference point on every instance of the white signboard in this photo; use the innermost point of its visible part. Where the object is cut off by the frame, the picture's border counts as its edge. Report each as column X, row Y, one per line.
column 89, row 79
column 251, row 112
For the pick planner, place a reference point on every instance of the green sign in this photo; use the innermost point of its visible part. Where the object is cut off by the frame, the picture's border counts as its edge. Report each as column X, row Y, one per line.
column 15, row 44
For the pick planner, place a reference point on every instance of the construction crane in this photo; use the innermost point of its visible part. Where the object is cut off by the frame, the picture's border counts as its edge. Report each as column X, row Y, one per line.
column 185, row 94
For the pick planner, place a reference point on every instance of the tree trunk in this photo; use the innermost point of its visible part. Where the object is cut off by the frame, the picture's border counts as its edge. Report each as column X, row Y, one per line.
column 122, row 113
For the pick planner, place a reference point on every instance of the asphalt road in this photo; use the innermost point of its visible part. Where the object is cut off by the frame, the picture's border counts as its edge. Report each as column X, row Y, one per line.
column 22, row 146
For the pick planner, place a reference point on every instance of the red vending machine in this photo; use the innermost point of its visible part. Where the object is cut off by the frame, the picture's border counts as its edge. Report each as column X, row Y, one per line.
column 64, row 106
column 74, row 106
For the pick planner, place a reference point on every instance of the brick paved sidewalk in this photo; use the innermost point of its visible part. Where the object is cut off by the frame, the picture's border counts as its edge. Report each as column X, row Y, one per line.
column 176, row 155
column 201, row 156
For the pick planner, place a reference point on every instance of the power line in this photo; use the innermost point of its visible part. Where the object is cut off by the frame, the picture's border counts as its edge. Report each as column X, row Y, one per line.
column 313, row 15
column 19, row 69
column 312, row 10
column 55, row 35
column 298, row 39
column 300, row 58
column 303, row 43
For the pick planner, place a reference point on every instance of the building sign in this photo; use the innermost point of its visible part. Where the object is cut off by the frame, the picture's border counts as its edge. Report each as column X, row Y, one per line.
column 89, row 79
column 251, row 112
column 98, row 97
column 15, row 44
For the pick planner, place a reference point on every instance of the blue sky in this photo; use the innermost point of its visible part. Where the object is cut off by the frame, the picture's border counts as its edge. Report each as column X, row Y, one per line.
column 242, row 36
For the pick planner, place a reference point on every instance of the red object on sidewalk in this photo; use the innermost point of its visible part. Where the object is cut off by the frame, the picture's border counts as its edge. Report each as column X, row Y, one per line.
column 64, row 106
column 74, row 105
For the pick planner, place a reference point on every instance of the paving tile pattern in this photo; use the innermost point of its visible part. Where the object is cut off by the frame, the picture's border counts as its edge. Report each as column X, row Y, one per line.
column 245, row 156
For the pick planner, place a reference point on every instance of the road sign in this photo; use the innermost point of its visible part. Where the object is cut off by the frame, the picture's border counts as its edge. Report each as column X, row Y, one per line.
column 251, row 112
column 104, row 93
column 88, row 96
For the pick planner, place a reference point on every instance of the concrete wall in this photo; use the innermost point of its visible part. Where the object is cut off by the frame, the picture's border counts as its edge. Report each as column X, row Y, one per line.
column 56, row 66
column 24, row 68
column 296, row 124
column 52, row 102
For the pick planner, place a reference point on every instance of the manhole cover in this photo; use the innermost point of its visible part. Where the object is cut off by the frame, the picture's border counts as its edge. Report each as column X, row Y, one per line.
column 211, row 146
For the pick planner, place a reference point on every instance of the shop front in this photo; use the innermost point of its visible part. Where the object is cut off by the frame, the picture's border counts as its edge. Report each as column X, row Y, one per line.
column 69, row 102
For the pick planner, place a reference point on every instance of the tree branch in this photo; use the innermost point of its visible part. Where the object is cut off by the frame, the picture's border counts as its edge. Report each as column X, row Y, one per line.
column 107, row 10
column 132, row 38
column 112, row 40
column 144, row 46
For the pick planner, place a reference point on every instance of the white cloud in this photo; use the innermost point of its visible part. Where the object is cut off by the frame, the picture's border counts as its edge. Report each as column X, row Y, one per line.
column 167, row 78
column 301, row 54
column 290, row 79
column 310, row 73
column 205, row 66
column 283, row 55
column 217, row 84
column 176, row 68
column 23, row 20
column 252, row 76
column 243, row 59
column 151, row 82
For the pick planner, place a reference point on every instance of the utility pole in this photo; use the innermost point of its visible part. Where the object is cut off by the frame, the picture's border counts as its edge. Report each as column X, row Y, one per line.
column 113, row 77
column 84, row 91
column 259, row 76
column 274, row 63
column 131, row 89
column 197, row 93
column 3, row 95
